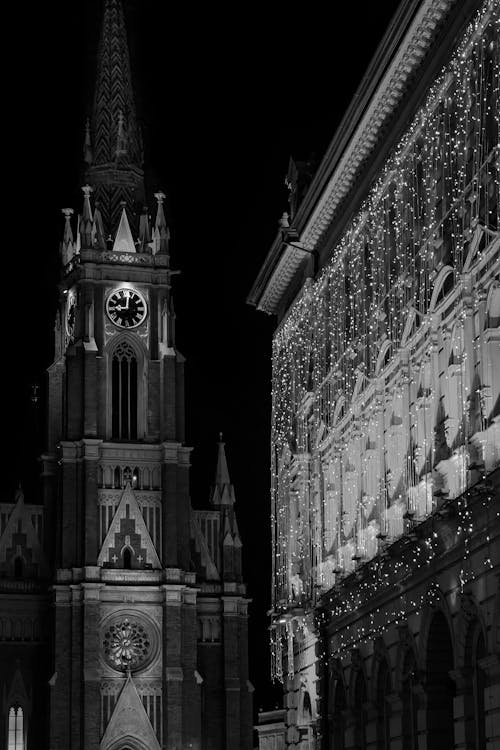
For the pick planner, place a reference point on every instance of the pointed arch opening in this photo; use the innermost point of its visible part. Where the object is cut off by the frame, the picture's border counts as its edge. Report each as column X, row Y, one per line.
column 127, row 558
column 124, row 392
column 409, row 698
column 360, row 699
column 337, row 717
column 383, row 706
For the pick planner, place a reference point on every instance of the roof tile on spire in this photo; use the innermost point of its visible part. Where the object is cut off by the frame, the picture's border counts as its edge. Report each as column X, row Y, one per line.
column 113, row 146
column 114, row 105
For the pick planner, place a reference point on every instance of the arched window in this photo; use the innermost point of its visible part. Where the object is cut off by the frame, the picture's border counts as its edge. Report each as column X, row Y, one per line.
column 127, row 558
column 410, row 704
column 383, row 707
column 475, row 651
column 359, row 712
column 307, row 708
column 124, row 393
column 440, row 722
column 16, row 729
column 338, row 719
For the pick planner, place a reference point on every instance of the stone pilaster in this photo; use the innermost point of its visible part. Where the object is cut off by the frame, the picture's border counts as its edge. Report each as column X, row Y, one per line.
column 60, row 681
column 91, row 680
column 232, row 685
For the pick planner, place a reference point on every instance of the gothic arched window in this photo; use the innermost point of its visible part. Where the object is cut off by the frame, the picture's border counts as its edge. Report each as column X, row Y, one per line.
column 16, row 729
column 124, row 393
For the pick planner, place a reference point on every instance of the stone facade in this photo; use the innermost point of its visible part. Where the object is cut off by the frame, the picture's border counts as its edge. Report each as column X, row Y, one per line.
column 386, row 394
column 124, row 611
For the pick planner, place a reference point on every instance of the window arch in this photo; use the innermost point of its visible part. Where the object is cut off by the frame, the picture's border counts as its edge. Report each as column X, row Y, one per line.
column 410, row 702
column 124, row 392
column 337, row 717
column 383, row 706
column 127, row 558
column 440, row 725
column 16, row 728
column 445, row 282
column 360, row 698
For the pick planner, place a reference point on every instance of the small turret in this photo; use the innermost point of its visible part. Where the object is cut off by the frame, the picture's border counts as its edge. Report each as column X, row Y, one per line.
column 86, row 219
column 161, row 233
column 68, row 242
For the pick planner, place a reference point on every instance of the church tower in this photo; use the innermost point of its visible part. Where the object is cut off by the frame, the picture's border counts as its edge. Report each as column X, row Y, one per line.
column 149, row 626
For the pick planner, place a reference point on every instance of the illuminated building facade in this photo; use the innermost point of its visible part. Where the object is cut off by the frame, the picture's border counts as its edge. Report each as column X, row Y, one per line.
column 386, row 403
column 123, row 622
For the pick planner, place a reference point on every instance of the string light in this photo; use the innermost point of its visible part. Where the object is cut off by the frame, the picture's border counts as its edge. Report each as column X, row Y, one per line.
column 370, row 432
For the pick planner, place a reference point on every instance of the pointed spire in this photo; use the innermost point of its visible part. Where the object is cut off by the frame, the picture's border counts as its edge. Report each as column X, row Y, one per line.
column 114, row 106
column 87, row 145
column 222, row 472
column 124, row 242
column 223, row 491
column 86, row 219
column 115, row 158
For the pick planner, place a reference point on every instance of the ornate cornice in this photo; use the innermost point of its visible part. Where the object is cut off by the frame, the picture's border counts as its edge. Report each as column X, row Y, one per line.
column 346, row 157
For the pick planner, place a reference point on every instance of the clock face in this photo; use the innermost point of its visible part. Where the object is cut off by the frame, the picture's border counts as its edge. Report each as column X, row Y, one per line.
column 70, row 314
column 126, row 308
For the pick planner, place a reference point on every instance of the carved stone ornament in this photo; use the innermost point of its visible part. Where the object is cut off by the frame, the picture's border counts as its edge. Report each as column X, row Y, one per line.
column 127, row 645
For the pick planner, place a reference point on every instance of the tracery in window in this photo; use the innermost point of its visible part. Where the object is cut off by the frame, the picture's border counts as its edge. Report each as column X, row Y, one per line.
column 124, row 392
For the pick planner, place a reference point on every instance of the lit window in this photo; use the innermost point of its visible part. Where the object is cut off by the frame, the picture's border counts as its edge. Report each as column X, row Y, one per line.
column 16, row 728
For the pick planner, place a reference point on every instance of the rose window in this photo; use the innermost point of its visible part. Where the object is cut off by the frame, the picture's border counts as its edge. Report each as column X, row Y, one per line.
column 127, row 645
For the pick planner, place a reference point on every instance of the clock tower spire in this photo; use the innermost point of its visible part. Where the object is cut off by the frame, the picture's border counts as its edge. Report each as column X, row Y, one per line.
column 150, row 609
column 113, row 144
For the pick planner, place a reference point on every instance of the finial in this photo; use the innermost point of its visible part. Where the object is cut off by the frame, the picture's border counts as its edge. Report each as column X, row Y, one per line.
column 161, row 234
column 67, row 245
column 87, row 219
column 220, row 437
column 284, row 220
column 87, row 145
column 68, row 233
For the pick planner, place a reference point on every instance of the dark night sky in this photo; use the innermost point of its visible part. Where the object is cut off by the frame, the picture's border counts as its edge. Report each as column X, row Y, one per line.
column 225, row 95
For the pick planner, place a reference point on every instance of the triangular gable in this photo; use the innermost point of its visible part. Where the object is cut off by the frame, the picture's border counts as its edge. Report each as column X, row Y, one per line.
column 129, row 721
column 17, row 693
column 21, row 517
column 124, row 242
column 128, row 509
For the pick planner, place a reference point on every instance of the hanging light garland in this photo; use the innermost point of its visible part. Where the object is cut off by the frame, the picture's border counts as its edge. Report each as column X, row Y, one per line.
column 357, row 432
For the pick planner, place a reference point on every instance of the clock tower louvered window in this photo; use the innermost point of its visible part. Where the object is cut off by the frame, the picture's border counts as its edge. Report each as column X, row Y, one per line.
column 124, row 393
